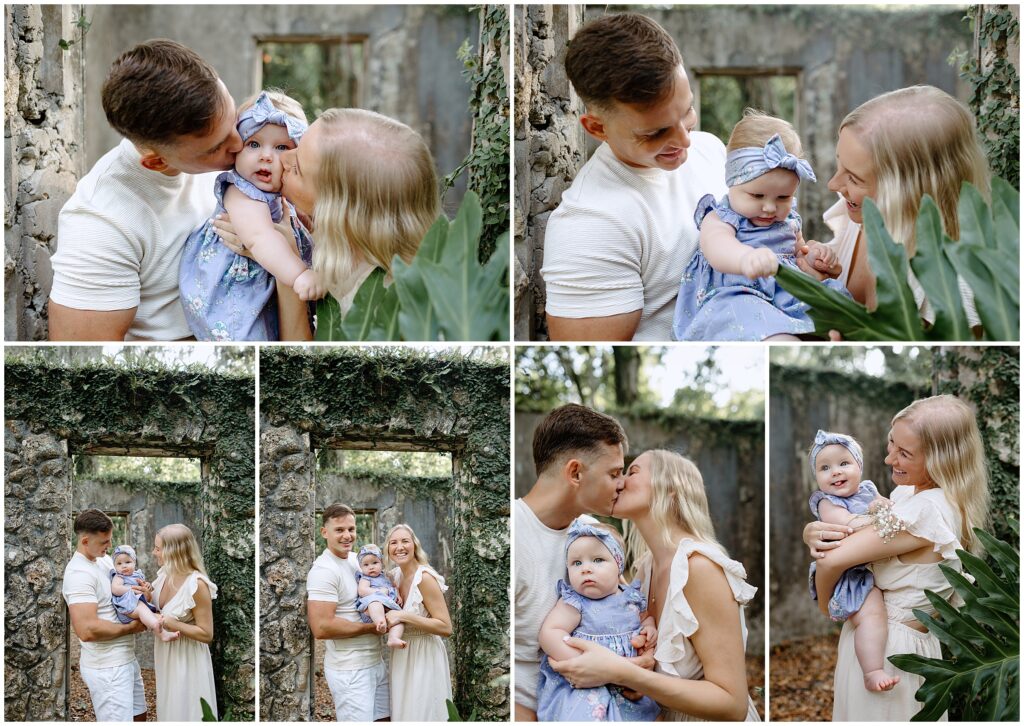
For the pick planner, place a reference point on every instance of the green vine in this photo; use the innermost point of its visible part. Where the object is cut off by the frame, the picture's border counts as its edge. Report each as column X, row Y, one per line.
column 488, row 159
column 995, row 87
column 83, row 26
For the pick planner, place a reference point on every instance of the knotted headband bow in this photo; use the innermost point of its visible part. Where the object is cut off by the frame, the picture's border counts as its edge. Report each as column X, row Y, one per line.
column 747, row 163
column 125, row 550
column 264, row 112
column 368, row 549
column 827, row 438
column 580, row 527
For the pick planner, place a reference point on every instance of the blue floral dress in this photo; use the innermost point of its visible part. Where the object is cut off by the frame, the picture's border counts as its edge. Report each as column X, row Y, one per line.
column 854, row 584
column 227, row 296
column 125, row 604
column 713, row 305
column 388, row 599
column 611, row 622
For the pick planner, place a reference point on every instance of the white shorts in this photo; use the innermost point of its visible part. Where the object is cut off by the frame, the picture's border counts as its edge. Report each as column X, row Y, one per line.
column 117, row 693
column 360, row 695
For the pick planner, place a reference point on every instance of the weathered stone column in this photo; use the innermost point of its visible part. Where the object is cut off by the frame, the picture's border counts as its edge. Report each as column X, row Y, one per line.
column 287, row 534
column 549, row 145
column 44, row 153
column 37, row 522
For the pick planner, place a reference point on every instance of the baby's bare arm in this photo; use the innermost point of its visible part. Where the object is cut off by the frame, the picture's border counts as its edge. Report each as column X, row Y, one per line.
column 559, row 623
column 834, row 514
column 117, row 586
column 256, row 230
column 364, row 588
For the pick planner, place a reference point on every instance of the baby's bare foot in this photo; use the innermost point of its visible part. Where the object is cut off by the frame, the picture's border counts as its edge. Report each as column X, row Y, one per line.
column 394, row 642
column 879, row 681
column 166, row 635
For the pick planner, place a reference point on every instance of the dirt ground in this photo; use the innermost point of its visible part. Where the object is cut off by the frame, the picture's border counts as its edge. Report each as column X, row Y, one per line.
column 801, row 688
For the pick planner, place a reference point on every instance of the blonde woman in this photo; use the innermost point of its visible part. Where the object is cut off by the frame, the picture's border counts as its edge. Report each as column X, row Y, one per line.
column 420, row 676
column 941, row 494
column 185, row 594
column 694, row 591
column 367, row 185
column 896, row 148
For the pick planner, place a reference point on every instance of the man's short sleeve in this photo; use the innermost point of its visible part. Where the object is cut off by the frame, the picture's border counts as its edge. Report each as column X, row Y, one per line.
column 322, row 585
column 97, row 265
column 78, row 588
column 592, row 266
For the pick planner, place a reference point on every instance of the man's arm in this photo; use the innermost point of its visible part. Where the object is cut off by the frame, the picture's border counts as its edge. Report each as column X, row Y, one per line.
column 612, row 327
column 325, row 626
column 72, row 324
column 90, row 628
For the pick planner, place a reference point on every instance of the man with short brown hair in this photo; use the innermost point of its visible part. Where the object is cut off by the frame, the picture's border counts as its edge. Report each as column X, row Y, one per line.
column 618, row 243
column 120, row 235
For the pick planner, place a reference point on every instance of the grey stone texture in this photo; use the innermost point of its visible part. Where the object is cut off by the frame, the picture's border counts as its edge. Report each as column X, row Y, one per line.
column 734, row 484
column 842, row 56
column 37, row 529
column 44, row 132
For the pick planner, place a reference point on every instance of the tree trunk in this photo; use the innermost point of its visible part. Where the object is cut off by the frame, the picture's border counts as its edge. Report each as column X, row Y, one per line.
column 627, row 375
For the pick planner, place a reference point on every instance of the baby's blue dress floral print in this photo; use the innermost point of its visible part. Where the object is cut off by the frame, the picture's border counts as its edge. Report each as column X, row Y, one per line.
column 717, row 306
column 227, row 296
column 388, row 599
column 610, row 622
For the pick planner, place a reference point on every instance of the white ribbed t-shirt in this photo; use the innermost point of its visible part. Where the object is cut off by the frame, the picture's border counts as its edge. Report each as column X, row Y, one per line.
column 540, row 564
column 621, row 237
column 88, row 582
column 332, row 579
column 119, row 241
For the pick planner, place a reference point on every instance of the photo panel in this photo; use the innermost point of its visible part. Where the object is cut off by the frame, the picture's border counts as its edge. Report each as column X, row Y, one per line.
column 129, row 489
column 384, row 476
column 638, row 460
column 900, row 466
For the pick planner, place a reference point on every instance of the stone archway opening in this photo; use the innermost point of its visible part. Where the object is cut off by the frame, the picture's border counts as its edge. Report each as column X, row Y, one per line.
column 140, row 494
column 385, row 486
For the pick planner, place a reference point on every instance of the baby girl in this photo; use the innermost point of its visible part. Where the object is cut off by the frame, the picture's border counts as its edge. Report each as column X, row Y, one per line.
column 377, row 594
column 129, row 604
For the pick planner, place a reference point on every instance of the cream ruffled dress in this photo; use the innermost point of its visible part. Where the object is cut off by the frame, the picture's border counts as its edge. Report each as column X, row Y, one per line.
column 675, row 655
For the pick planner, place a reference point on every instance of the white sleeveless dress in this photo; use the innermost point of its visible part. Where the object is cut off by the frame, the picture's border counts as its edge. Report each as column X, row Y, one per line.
column 420, row 677
column 184, row 670
column 674, row 654
column 927, row 515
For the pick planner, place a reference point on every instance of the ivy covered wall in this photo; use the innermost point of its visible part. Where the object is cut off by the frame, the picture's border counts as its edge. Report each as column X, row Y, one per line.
column 394, row 399
column 94, row 409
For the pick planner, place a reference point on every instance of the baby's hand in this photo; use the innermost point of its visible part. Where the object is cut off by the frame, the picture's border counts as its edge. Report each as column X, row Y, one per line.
column 823, row 259
column 759, row 262
column 307, row 286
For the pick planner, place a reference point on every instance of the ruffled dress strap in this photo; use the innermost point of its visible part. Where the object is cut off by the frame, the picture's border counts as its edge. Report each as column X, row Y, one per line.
column 569, row 596
column 928, row 515
column 631, row 594
column 856, row 503
column 678, row 621
column 707, row 204
column 185, row 599
column 233, row 178
column 415, row 598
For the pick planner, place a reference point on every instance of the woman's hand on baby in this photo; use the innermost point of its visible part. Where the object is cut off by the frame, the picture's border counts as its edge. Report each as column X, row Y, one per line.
column 307, row 286
column 394, row 617
column 594, row 666
column 759, row 262
column 169, row 624
column 822, row 536
column 818, row 260
column 144, row 588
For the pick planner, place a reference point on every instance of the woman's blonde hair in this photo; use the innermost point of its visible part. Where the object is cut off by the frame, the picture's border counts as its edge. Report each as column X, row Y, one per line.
column 921, row 141
column 418, row 554
column 377, row 194
column 180, row 550
column 954, row 458
column 678, row 501
column 757, row 127
column 280, row 101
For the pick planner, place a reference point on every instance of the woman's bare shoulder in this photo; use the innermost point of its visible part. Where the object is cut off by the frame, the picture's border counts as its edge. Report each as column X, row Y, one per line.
column 707, row 581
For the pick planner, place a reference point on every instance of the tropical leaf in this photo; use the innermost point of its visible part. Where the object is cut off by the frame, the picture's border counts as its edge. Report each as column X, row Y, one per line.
column 936, row 274
column 417, row 319
column 207, row 711
column 888, row 262
column 982, row 675
column 374, row 311
column 328, row 319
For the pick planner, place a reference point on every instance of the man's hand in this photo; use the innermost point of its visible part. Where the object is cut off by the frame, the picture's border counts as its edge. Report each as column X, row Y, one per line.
column 759, row 262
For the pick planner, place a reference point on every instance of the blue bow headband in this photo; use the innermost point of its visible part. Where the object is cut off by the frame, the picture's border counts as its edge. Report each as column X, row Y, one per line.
column 583, row 527
column 369, row 549
column 264, row 112
column 827, row 438
column 125, row 550
column 748, row 163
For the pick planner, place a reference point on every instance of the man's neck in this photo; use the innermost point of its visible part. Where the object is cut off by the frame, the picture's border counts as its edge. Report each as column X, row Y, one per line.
column 553, row 503
column 85, row 554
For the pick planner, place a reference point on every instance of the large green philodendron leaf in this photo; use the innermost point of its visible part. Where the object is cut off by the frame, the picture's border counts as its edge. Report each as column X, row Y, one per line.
column 888, row 262
column 417, row 319
column 328, row 319
column 936, row 274
column 373, row 315
column 983, row 637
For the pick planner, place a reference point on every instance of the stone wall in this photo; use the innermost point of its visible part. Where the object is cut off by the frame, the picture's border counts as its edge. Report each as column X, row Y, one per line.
column 389, row 400
column 801, row 402
column 730, row 456
column 44, row 155
column 98, row 410
column 37, row 528
column 842, row 55
column 549, row 146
